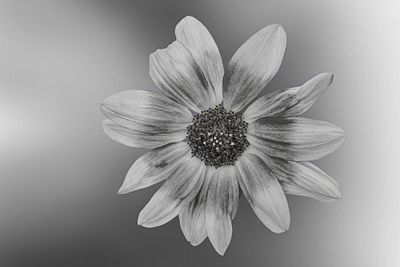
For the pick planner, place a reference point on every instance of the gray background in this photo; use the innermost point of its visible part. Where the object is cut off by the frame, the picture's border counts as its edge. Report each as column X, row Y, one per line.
column 59, row 172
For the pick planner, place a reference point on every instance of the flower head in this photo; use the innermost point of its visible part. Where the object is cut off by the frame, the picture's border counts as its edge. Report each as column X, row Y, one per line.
column 209, row 142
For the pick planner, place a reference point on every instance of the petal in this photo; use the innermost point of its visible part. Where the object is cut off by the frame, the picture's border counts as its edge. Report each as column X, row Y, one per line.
column 192, row 221
column 176, row 192
column 141, row 118
column 155, row 166
column 305, row 179
column 301, row 178
column 192, row 216
column 290, row 102
column 133, row 138
column 253, row 65
column 196, row 38
column 296, row 138
column 179, row 77
column 263, row 192
column 221, row 206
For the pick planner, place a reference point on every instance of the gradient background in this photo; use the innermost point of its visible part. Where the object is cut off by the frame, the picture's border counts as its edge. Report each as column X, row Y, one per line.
column 59, row 172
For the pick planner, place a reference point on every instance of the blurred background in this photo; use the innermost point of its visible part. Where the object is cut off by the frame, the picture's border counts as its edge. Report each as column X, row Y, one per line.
column 59, row 172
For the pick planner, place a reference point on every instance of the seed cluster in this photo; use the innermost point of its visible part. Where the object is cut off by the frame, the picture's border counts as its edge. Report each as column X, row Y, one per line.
column 217, row 136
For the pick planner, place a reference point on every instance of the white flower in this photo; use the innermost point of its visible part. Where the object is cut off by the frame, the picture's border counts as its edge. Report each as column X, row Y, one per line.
column 205, row 151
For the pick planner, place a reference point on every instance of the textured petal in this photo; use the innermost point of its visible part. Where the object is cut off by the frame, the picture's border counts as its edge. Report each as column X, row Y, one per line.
column 144, row 119
column 306, row 179
column 192, row 221
column 192, row 216
column 221, row 206
column 155, row 166
column 289, row 102
column 182, row 186
column 133, row 138
column 254, row 64
column 296, row 138
column 196, row 38
column 179, row 77
column 263, row 192
column 302, row 178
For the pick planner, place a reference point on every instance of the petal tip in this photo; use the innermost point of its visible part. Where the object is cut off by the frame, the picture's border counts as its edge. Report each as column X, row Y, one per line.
column 189, row 18
column 327, row 76
column 337, row 195
column 194, row 242
column 124, row 190
column 220, row 252
column 341, row 137
column 220, row 248
column 280, row 229
column 142, row 222
column 103, row 107
column 284, row 224
column 331, row 76
column 279, row 28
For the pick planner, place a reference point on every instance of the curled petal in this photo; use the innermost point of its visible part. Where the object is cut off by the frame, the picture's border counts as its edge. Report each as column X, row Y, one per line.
column 179, row 77
column 289, row 102
column 253, row 65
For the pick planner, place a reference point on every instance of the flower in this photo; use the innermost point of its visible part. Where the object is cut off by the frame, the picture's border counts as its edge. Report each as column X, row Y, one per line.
column 209, row 141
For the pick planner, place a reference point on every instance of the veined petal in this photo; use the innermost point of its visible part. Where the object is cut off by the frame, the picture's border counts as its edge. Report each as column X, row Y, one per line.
column 289, row 102
column 192, row 221
column 179, row 77
column 192, row 216
column 147, row 119
column 176, row 192
column 134, row 138
column 306, row 179
column 263, row 192
column 197, row 39
column 296, row 138
column 253, row 65
column 221, row 206
column 155, row 166
column 301, row 178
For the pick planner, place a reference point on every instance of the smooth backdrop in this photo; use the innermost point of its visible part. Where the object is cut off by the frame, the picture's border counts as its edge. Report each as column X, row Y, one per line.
column 59, row 172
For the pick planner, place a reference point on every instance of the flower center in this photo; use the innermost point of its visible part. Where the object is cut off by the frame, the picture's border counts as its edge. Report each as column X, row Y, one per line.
column 217, row 136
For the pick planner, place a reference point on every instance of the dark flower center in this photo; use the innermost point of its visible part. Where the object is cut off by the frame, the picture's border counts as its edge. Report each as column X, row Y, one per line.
column 217, row 136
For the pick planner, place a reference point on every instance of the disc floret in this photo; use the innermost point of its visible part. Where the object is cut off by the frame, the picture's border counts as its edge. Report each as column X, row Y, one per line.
column 217, row 136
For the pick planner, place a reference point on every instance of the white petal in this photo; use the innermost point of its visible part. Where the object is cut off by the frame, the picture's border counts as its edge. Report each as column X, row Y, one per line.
column 254, row 64
column 179, row 77
column 196, row 38
column 289, row 102
column 192, row 216
column 306, row 179
column 192, row 221
column 296, row 138
column 221, row 205
column 301, row 178
column 133, row 138
column 145, row 119
column 155, row 166
column 263, row 192
column 176, row 192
